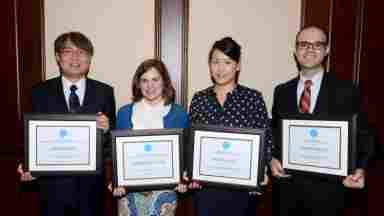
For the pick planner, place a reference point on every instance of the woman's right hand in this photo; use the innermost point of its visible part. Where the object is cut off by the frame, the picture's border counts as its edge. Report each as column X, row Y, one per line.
column 194, row 185
column 24, row 176
column 117, row 191
column 277, row 169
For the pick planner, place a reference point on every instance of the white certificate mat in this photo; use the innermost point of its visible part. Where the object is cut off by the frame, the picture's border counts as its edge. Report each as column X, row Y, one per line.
column 147, row 160
column 62, row 145
column 229, row 158
column 316, row 146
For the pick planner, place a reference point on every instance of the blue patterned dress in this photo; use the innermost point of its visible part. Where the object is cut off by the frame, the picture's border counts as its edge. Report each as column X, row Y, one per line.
column 154, row 203
column 151, row 203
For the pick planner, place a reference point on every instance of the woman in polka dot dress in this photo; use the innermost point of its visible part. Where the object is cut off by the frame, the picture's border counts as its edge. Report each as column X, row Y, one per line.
column 227, row 103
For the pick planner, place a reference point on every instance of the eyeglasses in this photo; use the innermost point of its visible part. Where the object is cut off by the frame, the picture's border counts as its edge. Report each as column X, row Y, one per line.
column 318, row 45
column 66, row 52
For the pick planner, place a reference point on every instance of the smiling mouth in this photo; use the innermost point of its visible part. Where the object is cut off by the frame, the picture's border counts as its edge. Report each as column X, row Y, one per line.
column 151, row 92
column 75, row 65
column 220, row 75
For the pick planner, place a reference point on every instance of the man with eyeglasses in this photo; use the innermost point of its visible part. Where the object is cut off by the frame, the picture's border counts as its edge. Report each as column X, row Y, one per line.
column 73, row 92
column 314, row 92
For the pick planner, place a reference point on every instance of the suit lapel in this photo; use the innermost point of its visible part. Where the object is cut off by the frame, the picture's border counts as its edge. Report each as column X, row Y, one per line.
column 322, row 102
column 293, row 107
column 60, row 97
column 88, row 94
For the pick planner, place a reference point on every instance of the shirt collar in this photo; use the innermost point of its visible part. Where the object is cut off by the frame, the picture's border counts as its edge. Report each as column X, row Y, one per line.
column 211, row 90
column 80, row 84
column 316, row 79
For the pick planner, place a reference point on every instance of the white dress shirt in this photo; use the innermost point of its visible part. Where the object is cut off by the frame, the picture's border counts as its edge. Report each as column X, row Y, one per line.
column 80, row 84
column 315, row 88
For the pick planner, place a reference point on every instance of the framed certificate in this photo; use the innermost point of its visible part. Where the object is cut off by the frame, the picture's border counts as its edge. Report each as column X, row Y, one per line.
column 62, row 144
column 227, row 157
column 324, row 146
column 147, row 159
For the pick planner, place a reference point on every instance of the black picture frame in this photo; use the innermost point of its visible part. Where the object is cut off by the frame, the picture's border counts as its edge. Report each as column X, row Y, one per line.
column 59, row 125
column 244, row 135
column 310, row 122
column 122, row 139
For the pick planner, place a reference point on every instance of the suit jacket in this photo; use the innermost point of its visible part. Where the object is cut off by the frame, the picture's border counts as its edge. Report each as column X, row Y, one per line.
column 48, row 98
column 336, row 97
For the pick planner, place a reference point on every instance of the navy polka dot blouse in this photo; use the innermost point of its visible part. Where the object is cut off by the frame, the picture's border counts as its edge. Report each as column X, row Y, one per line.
column 243, row 108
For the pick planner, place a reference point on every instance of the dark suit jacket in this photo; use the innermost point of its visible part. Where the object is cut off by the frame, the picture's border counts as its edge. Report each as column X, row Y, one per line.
column 336, row 97
column 48, row 98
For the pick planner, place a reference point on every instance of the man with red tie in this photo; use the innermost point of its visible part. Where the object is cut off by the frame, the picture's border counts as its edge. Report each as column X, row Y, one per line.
column 313, row 92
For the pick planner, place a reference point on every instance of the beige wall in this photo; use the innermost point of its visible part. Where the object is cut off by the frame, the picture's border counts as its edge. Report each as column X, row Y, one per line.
column 123, row 35
column 121, row 31
column 265, row 30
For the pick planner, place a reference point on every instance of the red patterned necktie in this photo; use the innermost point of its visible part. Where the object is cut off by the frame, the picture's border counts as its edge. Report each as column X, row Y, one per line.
column 305, row 99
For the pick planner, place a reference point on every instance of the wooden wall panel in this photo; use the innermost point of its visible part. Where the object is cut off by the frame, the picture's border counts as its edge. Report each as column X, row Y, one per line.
column 316, row 13
column 10, row 107
column 23, row 68
column 371, row 68
column 172, row 43
column 30, row 46
column 343, row 38
column 24, row 65
column 356, row 54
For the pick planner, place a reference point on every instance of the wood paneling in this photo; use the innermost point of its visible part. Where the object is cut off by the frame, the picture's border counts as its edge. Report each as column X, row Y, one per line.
column 172, row 42
column 316, row 13
column 343, row 38
column 9, row 78
column 356, row 51
column 371, row 68
column 171, row 47
column 22, row 68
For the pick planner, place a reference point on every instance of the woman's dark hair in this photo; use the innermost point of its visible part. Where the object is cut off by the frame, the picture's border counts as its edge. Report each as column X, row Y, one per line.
column 230, row 48
column 168, row 90
column 78, row 39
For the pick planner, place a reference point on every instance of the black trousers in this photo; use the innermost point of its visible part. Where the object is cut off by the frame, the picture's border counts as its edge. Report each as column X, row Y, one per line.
column 72, row 196
column 308, row 195
column 220, row 202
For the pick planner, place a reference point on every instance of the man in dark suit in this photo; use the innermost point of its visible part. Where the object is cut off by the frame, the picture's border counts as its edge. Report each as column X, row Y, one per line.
column 323, row 95
column 73, row 92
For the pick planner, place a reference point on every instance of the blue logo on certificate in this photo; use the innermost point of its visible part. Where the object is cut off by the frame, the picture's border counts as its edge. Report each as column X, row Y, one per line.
column 63, row 133
column 226, row 145
column 64, row 136
column 313, row 133
column 147, row 147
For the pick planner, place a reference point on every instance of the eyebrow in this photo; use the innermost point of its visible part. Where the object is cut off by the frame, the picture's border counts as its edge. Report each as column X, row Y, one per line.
column 158, row 77
column 311, row 42
column 221, row 58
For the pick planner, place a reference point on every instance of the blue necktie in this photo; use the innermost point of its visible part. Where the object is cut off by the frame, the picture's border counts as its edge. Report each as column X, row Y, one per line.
column 74, row 102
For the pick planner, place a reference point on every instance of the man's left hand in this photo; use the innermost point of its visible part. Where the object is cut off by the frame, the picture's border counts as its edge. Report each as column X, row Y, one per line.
column 102, row 121
column 356, row 180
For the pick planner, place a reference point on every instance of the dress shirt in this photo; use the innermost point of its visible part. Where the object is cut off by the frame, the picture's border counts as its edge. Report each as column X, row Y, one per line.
column 80, row 84
column 315, row 88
